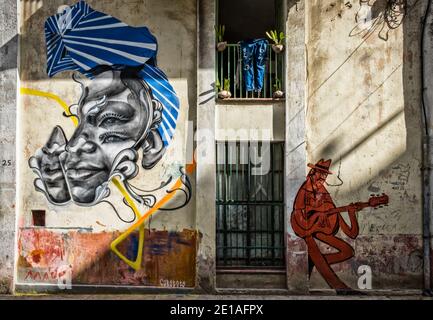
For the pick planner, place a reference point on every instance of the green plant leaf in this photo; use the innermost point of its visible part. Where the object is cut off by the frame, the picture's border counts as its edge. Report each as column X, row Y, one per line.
column 219, row 32
column 272, row 35
column 269, row 35
column 277, row 84
column 218, row 84
column 227, row 84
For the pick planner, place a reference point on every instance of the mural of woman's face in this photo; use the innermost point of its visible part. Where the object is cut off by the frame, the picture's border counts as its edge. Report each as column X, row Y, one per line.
column 111, row 119
column 116, row 113
column 50, row 168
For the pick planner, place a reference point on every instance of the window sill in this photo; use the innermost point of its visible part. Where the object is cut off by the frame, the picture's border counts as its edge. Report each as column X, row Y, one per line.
column 249, row 100
column 250, row 270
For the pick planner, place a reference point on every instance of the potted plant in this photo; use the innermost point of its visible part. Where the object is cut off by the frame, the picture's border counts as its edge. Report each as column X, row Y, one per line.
column 221, row 44
column 225, row 92
column 278, row 93
column 273, row 35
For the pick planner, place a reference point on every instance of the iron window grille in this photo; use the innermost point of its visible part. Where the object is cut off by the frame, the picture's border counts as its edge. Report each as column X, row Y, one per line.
column 229, row 66
column 250, row 205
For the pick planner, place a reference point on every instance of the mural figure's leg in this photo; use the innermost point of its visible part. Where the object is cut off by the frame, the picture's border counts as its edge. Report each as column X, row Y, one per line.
column 322, row 265
column 310, row 266
column 345, row 251
column 353, row 230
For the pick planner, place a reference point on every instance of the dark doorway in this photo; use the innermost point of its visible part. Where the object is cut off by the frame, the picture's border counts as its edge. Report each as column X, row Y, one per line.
column 247, row 19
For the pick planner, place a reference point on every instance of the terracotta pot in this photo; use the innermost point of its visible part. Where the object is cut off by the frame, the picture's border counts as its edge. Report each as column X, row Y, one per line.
column 277, row 48
column 221, row 46
column 224, row 94
column 278, row 94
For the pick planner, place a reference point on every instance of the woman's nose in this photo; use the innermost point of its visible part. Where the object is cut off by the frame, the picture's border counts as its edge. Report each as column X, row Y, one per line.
column 80, row 145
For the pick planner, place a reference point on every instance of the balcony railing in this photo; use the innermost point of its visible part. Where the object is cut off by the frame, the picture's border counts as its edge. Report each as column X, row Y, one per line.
column 229, row 66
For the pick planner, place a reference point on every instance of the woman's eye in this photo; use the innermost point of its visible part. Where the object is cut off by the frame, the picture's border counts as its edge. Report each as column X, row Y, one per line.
column 110, row 121
column 113, row 139
column 113, row 136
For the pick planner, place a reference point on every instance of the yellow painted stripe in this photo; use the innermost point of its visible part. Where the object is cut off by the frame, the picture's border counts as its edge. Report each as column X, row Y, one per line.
column 142, row 220
column 136, row 265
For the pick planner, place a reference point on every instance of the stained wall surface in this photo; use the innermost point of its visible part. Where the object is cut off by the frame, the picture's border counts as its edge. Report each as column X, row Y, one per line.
column 353, row 95
column 363, row 112
column 8, row 80
column 73, row 242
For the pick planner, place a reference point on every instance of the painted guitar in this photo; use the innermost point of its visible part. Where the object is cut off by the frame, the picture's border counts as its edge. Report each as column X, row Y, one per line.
column 329, row 225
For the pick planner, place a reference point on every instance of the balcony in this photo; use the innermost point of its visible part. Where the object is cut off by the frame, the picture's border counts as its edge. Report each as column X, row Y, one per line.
column 229, row 66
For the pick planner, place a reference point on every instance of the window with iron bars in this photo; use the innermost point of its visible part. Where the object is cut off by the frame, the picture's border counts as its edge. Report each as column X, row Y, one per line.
column 250, row 205
column 229, row 66
column 247, row 20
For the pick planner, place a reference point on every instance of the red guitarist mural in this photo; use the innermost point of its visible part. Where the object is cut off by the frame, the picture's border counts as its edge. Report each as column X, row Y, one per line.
column 316, row 217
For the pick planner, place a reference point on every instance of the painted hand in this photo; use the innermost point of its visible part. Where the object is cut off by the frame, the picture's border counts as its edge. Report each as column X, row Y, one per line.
column 352, row 208
column 323, row 219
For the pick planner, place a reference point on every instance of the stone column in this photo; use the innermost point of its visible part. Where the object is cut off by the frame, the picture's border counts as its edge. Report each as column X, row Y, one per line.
column 205, row 155
column 8, row 85
column 295, row 162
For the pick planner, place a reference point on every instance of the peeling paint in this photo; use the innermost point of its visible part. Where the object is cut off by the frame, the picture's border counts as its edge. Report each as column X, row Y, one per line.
column 168, row 258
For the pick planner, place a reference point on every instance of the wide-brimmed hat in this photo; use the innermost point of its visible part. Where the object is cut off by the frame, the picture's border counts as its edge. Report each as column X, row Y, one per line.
column 321, row 165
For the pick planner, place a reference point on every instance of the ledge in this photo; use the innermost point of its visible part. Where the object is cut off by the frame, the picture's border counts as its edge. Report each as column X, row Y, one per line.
column 251, row 271
column 249, row 101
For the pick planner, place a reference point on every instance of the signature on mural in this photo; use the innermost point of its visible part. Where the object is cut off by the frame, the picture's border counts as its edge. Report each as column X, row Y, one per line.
column 315, row 217
column 172, row 283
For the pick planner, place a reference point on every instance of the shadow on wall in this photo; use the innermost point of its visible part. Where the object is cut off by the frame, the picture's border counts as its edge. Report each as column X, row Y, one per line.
column 169, row 257
column 32, row 44
column 9, row 54
column 35, row 12
column 51, row 257
column 386, row 15
column 380, row 25
column 390, row 241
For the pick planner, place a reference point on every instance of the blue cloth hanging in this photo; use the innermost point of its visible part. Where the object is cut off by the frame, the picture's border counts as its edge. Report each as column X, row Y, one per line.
column 254, row 63
column 80, row 39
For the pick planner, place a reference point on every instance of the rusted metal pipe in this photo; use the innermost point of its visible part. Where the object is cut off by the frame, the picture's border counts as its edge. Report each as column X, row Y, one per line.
column 427, row 172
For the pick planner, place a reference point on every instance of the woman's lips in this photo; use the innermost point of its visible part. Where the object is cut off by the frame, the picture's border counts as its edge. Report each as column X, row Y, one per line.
column 53, row 176
column 79, row 174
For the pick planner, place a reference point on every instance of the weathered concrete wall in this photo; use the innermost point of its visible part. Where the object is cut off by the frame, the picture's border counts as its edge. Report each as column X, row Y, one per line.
column 353, row 95
column 8, row 79
column 249, row 121
column 427, row 68
column 205, row 137
column 296, row 157
column 78, row 238
column 364, row 113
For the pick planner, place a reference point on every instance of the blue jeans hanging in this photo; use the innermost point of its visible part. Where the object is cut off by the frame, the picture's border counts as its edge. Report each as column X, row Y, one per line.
column 254, row 63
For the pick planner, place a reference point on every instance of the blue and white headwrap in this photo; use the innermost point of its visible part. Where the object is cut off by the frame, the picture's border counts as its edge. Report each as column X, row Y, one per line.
column 80, row 39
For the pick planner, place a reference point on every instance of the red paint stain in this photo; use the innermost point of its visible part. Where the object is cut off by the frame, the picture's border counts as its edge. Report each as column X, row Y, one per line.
column 36, row 258
column 166, row 255
column 49, row 274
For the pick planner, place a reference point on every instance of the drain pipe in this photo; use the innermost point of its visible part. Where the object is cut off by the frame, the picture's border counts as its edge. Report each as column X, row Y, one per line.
column 427, row 172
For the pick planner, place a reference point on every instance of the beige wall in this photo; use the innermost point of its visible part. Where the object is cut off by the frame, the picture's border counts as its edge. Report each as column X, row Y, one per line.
column 363, row 112
column 174, row 26
column 249, row 121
